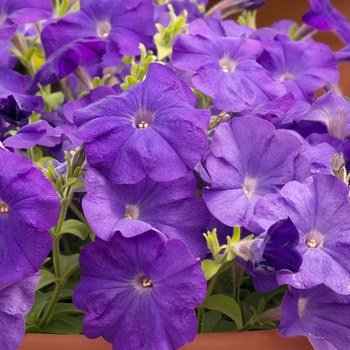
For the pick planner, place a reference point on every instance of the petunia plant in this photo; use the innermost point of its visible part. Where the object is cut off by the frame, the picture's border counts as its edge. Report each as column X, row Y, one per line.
column 166, row 171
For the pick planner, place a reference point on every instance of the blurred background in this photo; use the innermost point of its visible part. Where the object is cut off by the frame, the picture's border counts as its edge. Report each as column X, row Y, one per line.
column 275, row 10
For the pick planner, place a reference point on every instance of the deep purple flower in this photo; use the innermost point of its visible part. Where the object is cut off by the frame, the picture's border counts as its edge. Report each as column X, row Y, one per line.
column 123, row 24
column 317, row 312
column 81, row 52
column 250, row 159
column 303, row 67
column 323, row 16
column 279, row 256
column 29, row 207
column 15, row 12
column 140, row 292
column 225, row 68
column 16, row 300
column 169, row 207
column 153, row 127
column 16, row 104
column 332, row 111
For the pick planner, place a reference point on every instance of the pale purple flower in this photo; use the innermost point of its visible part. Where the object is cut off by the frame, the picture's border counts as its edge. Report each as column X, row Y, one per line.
column 319, row 208
column 16, row 300
column 168, row 207
column 225, row 68
column 29, row 207
column 140, row 292
column 303, row 67
column 153, row 126
column 250, row 159
column 317, row 312
column 332, row 111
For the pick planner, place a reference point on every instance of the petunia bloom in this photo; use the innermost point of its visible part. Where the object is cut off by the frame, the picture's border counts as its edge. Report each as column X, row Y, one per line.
column 140, row 292
column 168, row 207
column 29, row 207
column 317, row 312
column 250, row 159
column 16, row 300
column 153, row 126
column 225, row 68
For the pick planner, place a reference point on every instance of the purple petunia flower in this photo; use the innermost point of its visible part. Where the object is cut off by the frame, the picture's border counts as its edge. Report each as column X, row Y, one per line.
column 250, row 159
column 323, row 16
column 153, row 126
column 123, row 24
column 319, row 208
column 317, row 312
column 140, row 292
column 303, row 67
column 29, row 207
column 225, row 68
column 16, row 105
column 15, row 12
column 169, row 207
column 332, row 111
column 16, row 300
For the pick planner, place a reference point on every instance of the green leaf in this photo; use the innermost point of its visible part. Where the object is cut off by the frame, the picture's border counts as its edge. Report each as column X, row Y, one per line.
column 54, row 100
column 63, row 309
column 65, row 325
column 227, row 306
column 74, row 227
column 210, row 268
column 67, row 262
column 224, row 326
column 211, row 318
column 32, row 329
column 46, row 279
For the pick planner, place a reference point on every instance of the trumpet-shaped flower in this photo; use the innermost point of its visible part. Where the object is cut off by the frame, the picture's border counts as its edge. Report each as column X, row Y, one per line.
column 29, row 207
column 153, row 127
column 169, row 207
column 250, row 159
column 140, row 292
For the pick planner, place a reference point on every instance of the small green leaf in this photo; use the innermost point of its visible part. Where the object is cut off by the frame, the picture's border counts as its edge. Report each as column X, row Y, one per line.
column 32, row 329
column 67, row 262
column 227, row 306
column 76, row 228
column 65, row 325
column 54, row 100
column 46, row 279
column 63, row 309
column 211, row 318
column 210, row 268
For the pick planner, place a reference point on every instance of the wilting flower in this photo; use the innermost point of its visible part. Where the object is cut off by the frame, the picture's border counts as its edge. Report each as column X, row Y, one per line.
column 169, row 207
column 16, row 300
column 29, row 207
column 140, row 292
column 153, row 126
column 250, row 159
column 317, row 312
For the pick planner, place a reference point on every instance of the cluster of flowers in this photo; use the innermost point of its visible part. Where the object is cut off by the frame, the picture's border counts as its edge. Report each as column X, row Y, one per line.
column 191, row 124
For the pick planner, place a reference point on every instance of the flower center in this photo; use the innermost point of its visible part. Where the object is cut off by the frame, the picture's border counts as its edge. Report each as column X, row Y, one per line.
column 249, row 186
column 4, row 208
column 227, row 64
column 131, row 212
column 147, row 282
column 103, row 29
column 286, row 76
column 143, row 119
column 302, row 302
column 314, row 239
